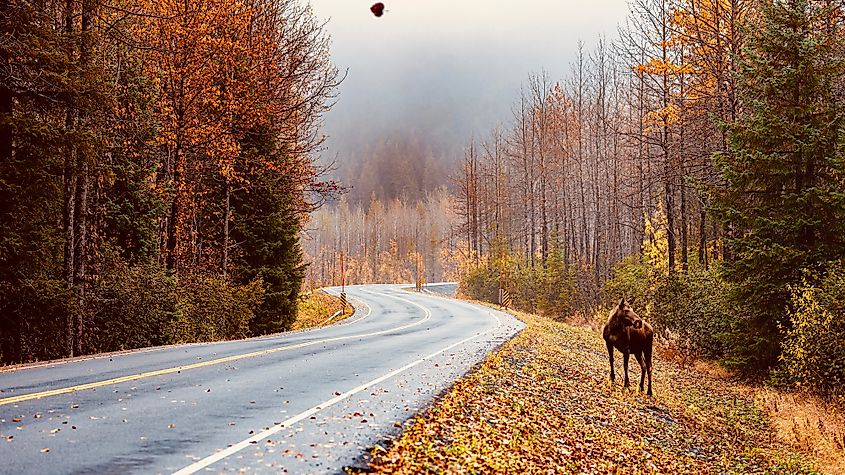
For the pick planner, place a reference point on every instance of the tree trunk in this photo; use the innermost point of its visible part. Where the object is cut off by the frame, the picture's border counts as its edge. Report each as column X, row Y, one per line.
column 667, row 165
column 226, row 212
column 83, row 184
column 69, row 197
column 684, row 230
column 669, row 201
column 702, row 237
column 175, row 211
column 6, row 120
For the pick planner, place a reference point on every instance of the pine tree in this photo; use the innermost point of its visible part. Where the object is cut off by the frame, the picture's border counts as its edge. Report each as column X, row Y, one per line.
column 782, row 202
column 266, row 227
column 37, row 88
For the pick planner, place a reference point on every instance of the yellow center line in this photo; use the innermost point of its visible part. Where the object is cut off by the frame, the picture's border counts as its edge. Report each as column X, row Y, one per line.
column 278, row 427
column 227, row 359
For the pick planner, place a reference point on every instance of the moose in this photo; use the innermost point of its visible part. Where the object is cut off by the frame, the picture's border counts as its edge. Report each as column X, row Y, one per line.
column 628, row 333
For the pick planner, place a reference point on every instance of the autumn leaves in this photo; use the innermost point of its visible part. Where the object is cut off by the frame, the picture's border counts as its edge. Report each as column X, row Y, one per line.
column 169, row 157
column 224, row 73
column 543, row 405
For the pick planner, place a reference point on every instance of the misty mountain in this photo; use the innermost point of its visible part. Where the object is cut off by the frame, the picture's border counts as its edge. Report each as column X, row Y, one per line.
column 404, row 167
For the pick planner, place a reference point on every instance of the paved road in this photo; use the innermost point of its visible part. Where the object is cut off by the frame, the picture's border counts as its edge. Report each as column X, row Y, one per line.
column 448, row 289
column 306, row 402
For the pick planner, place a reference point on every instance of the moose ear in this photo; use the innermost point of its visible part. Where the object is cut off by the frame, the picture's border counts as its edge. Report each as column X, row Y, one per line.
column 631, row 300
column 622, row 303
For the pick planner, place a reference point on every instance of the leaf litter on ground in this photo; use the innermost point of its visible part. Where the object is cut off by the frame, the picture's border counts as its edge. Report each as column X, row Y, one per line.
column 544, row 403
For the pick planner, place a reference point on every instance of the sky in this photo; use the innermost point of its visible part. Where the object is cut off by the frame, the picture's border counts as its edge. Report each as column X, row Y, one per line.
column 446, row 70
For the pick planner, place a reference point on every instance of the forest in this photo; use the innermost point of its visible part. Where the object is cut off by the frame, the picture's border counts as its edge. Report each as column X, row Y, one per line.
column 695, row 162
column 157, row 166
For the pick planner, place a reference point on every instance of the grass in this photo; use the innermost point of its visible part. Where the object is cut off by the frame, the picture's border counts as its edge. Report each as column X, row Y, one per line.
column 813, row 426
column 316, row 308
column 544, row 403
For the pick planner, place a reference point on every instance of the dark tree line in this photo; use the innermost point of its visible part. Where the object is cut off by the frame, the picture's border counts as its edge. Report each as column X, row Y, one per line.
column 156, row 167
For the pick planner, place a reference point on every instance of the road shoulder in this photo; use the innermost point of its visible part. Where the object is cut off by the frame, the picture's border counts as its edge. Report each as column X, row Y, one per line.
column 544, row 402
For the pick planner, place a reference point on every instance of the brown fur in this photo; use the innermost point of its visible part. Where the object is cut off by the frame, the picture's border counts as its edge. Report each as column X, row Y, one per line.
column 628, row 333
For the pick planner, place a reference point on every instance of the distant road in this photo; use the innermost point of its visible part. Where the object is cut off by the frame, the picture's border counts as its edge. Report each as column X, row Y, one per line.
column 443, row 288
column 304, row 402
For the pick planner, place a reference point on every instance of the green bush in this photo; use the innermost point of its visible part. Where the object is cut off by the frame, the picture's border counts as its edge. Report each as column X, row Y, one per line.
column 632, row 279
column 213, row 308
column 125, row 307
column 523, row 285
column 548, row 290
column 481, row 283
column 33, row 313
column 557, row 292
column 690, row 310
column 134, row 307
column 812, row 355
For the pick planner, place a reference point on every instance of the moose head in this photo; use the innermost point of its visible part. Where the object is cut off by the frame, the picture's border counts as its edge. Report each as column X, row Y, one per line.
column 626, row 315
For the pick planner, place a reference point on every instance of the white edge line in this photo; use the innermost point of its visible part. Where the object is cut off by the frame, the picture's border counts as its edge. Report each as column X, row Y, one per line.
column 201, row 464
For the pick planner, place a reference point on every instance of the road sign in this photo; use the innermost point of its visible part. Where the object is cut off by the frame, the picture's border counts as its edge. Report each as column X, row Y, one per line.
column 504, row 298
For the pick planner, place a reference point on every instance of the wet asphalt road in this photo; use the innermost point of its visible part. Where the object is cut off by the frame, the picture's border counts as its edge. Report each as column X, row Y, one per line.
column 305, row 402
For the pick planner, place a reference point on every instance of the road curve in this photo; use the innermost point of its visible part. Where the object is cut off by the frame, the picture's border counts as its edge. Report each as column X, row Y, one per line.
column 302, row 402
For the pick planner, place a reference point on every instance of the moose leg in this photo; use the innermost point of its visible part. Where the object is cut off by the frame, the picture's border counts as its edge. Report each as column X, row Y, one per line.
column 648, row 366
column 625, row 365
column 610, row 355
column 639, row 357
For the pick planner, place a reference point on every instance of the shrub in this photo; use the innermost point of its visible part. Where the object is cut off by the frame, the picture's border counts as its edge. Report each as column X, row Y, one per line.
column 481, row 283
column 523, row 285
column 548, row 290
column 558, row 288
column 134, row 307
column 29, row 312
column 630, row 278
column 812, row 355
column 212, row 308
column 689, row 310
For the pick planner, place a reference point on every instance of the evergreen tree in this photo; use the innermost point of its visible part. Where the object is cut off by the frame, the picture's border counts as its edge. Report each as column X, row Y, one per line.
column 782, row 202
column 266, row 228
column 37, row 87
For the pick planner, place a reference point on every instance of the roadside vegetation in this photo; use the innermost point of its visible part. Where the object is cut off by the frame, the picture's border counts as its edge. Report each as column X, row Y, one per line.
column 158, row 165
column 719, row 208
column 316, row 308
column 544, row 403
column 189, row 314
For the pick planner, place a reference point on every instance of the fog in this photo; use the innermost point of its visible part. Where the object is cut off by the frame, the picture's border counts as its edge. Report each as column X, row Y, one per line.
column 432, row 74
